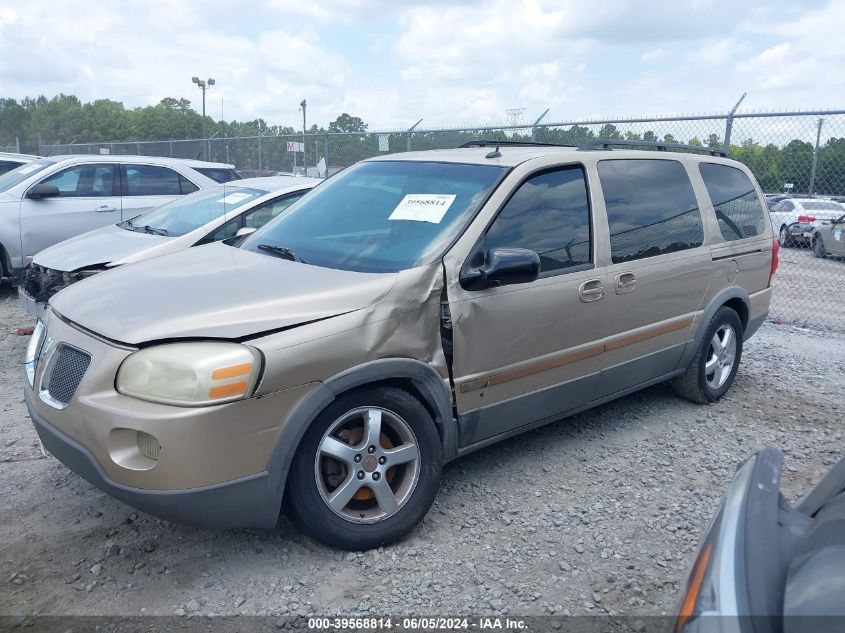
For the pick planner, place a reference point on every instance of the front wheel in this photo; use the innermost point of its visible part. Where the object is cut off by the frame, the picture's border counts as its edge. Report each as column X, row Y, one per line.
column 367, row 470
column 713, row 368
column 818, row 247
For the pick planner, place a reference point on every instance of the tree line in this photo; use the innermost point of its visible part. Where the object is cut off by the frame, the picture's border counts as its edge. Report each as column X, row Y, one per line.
column 64, row 119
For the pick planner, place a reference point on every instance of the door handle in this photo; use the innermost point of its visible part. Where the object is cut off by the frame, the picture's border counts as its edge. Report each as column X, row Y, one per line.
column 104, row 208
column 625, row 282
column 591, row 290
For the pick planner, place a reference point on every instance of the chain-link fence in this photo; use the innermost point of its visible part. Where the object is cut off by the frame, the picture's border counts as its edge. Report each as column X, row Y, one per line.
column 798, row 158
column 16, row 148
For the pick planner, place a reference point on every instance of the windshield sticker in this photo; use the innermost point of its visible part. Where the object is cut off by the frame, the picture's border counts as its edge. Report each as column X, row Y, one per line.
column 28, row 168
column 423, row 207
column 234, row 198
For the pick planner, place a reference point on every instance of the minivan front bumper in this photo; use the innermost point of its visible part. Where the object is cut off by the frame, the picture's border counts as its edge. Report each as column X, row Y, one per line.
column 245, row 502
column 210, row 466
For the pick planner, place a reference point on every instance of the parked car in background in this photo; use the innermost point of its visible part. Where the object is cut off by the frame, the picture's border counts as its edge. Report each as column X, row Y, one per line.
column 51, row 199
column 794, row 219
column 828, row 238
column 10, row 161
column 205, row 216
column 262, row 173
column 411, row 309
column 766, row 565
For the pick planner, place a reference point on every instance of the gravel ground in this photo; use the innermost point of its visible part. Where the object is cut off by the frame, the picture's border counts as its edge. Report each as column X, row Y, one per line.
column 599, row 513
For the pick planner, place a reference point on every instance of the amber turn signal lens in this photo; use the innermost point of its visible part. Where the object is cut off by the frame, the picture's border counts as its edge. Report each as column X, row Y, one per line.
column 694, row 588
column 232, row 371
column 227, row 391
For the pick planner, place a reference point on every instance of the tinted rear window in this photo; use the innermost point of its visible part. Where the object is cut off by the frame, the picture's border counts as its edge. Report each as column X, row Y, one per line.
column 651, row 208
column 735, row 201
column 218, row 174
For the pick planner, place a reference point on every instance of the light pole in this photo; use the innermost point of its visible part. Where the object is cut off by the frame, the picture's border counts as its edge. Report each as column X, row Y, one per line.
column 203, row 84
column 303, row 104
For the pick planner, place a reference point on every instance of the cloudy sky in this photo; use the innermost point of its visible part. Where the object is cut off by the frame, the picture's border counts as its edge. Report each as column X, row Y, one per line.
column 447, row 62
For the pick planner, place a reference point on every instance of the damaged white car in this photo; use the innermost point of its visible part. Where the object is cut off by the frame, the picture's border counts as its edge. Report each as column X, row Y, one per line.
column 206, row 216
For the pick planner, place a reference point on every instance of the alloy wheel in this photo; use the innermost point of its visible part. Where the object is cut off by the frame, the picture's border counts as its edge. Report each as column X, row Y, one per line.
column 367, row 465
column 721, row 355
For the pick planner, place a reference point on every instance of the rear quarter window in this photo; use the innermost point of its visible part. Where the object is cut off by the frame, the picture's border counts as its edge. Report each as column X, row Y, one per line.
column 651, row 208
column 735, row 201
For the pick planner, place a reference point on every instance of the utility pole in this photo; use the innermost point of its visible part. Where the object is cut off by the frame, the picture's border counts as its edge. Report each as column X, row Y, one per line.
column 815, row 157
column 203, row 84
column 303, row 104
column 729, row 124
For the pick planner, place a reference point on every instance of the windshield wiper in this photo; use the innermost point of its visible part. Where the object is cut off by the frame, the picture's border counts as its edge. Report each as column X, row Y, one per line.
column 281, row 251
column 154, row 231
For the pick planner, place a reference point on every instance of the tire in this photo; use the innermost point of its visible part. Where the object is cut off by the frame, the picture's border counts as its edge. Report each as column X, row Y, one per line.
column 819, row 250
column 338, row 451
column 698, row 383
column 785, row 239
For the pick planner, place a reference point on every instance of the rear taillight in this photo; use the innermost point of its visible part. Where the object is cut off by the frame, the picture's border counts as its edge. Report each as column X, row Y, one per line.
column 806, row 219
column 775, row 260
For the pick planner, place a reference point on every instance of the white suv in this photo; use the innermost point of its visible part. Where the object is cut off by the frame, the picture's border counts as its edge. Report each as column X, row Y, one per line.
column 51, row 199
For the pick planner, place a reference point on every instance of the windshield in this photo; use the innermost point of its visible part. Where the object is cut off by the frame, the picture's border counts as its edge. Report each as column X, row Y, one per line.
column 219, row 174
column 821, row 205
column 17, row 176
column 190, row 212
column 380, row 216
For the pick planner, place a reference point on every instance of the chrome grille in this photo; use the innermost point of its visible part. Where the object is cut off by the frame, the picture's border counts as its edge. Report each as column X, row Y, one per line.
column 67, row 373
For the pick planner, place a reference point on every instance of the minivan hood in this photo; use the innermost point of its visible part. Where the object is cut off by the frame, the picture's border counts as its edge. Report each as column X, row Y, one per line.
column 100, row 246
column 213, row 291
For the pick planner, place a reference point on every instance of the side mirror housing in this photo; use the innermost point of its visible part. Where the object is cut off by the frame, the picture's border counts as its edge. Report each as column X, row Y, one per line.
column 502, row 267
column 41, row 190
column 245, row 230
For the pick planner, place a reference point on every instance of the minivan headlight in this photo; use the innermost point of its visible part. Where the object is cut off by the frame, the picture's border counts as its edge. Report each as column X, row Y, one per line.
column 190, row 374
column 33, row 351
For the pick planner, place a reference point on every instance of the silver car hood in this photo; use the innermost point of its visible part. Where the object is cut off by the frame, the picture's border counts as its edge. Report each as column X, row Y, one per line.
column 213, row 291
column 100, row 246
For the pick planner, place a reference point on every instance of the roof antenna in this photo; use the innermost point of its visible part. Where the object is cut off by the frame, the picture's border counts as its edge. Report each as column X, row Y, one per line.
column 495, row 153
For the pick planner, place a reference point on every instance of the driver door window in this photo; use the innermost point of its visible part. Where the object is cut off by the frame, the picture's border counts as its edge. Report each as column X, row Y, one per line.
column 550, row 215
column 84, row 181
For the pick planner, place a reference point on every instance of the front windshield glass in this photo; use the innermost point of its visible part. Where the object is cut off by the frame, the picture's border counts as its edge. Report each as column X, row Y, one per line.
column 380, row 216
column 17, row 176
column 190, row 212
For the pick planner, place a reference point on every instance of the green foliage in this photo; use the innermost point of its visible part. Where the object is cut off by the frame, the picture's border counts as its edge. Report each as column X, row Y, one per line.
column 63, row 119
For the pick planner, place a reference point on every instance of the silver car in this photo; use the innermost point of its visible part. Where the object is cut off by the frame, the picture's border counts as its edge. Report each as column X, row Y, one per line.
column 51, row 199
column 794, row 219
column 10, row 161
column 205, row 216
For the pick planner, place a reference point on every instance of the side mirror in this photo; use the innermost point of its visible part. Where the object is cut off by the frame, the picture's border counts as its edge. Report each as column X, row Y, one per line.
column 41, row 190
column 502, row 267
column 245, row 230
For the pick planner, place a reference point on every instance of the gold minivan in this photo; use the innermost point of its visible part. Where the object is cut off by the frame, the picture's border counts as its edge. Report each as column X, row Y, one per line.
column 409, row 310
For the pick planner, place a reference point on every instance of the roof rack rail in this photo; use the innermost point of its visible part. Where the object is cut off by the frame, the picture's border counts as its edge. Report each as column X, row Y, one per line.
column 494, row 143
column 609, row 143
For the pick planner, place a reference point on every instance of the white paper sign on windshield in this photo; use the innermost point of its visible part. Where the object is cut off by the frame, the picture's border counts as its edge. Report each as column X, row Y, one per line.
column 234, row 198
column 423, row 207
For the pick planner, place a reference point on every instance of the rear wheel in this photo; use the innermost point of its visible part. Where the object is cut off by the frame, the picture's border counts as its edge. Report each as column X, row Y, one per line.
column 713, row 368
column 818, row 247
column 366, row 471
column 785, row 239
